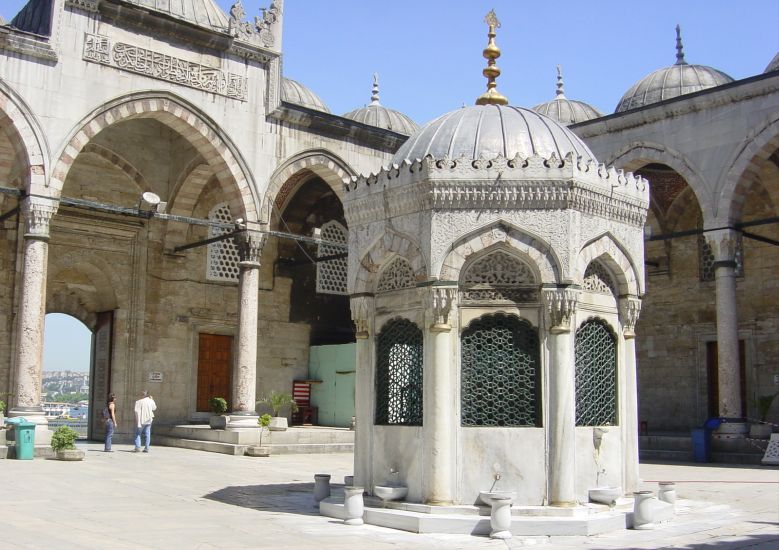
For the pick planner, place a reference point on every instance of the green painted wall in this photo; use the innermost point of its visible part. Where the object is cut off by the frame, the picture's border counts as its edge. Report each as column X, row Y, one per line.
column 335, row 367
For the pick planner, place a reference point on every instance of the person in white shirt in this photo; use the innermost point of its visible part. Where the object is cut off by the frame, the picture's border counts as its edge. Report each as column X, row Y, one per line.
column 144, row 414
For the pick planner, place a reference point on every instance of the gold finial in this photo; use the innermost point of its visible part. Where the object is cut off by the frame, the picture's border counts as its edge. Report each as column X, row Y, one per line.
column 492, row 96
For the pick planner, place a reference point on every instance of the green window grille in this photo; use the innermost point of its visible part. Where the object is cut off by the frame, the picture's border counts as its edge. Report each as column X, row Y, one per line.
column 596, row 375
column 500, row 373
column 399, row 374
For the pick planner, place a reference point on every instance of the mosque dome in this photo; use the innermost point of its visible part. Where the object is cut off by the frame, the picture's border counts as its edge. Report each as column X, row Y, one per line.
column 566, row 111
column 376, row 114
column 488, row 131
column 773, row 65
column 294, row 92
column 203, row 13
column 678, row 79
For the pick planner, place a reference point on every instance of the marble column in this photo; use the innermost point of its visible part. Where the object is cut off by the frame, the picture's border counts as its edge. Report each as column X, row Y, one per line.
column 723, row 245
column 439, row 422
column 31, row 315
column 244, row 401
column 362, row 307
column 560, row 304
column 630, row 307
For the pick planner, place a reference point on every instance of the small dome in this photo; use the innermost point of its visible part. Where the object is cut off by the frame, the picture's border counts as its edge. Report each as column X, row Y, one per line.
column 678, row 79
column 203, row 13
column 378, row 115
column 566, row 111
column 294, row 92
column 773, row 65
column 489, row 131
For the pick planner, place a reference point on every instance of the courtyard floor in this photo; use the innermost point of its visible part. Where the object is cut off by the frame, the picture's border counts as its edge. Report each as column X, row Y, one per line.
column 175, row 498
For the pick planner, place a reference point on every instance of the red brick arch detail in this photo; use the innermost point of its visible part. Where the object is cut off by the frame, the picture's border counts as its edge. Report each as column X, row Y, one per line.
column 26, row 137
column 202, row 133
column 742, row 177
column 119, row 163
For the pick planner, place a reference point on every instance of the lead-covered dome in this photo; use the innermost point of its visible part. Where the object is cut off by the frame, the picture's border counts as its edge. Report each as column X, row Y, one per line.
column 678, row 79
column 566, row 111
column 489, row 131
column 293, row 91
column 773, row 65
column 380, row 116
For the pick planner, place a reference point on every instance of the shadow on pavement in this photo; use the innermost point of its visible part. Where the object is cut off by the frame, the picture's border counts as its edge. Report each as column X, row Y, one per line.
column 292, row 498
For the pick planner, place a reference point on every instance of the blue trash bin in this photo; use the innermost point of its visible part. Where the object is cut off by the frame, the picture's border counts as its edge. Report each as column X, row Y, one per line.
column 700, row 445
column 24, row 434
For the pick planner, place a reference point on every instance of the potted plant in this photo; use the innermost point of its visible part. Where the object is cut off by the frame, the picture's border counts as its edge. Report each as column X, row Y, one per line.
column 763, row 429
column 219, row 407
column 63, row 441
column 260, row 449
column 2, row 413
column 277, row 401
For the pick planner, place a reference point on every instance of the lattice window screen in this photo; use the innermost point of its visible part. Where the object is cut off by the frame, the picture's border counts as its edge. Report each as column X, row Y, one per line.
column 223, row 258
column 598, row 279
column 500, row 373
column 499, row 276
column 399, row 374
column 706, row 259
column 396, row 276
column 596, row 375
column 331, row 274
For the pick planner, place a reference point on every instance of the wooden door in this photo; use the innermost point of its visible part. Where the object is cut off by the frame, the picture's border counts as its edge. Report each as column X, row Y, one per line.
column 712, row 366
column 214, row 366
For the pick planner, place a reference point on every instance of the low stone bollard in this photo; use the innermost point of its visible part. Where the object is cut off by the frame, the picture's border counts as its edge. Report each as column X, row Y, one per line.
column 353, row 505
column 500, row 518
column 321, row 487
column 667, row 492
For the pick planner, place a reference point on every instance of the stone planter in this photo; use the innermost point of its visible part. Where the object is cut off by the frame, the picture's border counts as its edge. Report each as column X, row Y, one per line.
column 218, row 422
column 70, row 454
column 321, row 487
column 353, row 505
column 760, row 431
column 258, row 450
column 278, row 424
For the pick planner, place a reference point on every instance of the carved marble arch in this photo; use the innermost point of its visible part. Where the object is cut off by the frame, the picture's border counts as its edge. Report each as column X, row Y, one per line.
column 637, row 154
column 610, row 255
column 598, row 279
column 25, row 138
column 742, row 178
column 397, row 274
column 531, row 248
column 296, row 170
column 498, row 274
column 386, row 247
column 189, row 122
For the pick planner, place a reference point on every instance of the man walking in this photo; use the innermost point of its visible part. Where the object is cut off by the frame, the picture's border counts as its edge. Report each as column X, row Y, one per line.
column 144, row 414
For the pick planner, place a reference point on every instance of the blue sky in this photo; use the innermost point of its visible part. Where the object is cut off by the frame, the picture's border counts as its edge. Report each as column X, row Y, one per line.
column 428, row 56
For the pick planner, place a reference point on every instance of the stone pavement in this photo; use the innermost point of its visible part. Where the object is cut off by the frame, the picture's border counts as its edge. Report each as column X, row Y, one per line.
column 176, row 498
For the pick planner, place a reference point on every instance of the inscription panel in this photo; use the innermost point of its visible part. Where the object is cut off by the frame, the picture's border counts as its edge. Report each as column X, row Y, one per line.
column 100, row 49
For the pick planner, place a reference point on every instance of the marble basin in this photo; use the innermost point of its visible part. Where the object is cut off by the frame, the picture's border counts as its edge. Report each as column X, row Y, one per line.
column 605, row 495
column 386, row 492
column 488, row 496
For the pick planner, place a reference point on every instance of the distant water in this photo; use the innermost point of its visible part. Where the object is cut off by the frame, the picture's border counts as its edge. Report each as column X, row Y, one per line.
column 78, row 424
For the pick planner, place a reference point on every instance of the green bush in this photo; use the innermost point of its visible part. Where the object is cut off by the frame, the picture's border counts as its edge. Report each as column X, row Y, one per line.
column 64, row 438
column 2, row 406
column 264, row 420
column 218, row 405
column 277, row 401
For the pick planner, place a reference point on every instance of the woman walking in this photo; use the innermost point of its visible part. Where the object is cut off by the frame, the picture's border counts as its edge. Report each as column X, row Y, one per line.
column 109, row 414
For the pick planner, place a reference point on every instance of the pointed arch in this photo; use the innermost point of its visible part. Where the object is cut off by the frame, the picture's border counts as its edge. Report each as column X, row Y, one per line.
column 607, row 250
column 118, row 162
column 383, row 250
column 196, row 127
column 531, row 248
column 26, row 136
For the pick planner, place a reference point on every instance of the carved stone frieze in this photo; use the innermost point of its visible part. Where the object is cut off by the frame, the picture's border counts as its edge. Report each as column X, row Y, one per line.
column 362, row 312
column 86, row 5
column 442, row 298
column 263, row 31
column 250, row 245
column 724, row 245
column 629, row 310
column 101, row 49
column 37, row 215
column 560, row 305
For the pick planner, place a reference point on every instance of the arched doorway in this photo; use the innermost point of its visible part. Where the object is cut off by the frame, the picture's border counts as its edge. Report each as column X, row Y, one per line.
column 67, row 358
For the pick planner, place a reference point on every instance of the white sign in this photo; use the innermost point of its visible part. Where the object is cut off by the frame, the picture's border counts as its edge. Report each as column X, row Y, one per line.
column 155, row 377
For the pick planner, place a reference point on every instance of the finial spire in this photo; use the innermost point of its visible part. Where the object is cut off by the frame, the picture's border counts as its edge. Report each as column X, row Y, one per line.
column 375, row 93
column 560, row 87
column 679, row 47
column 492, row 96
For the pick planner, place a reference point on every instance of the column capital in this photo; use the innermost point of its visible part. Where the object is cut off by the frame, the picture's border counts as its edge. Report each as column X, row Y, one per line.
column 362, row 313
column 724, row 245
column 442, row 298
column 559, row 306
column 629, row 310
column 37, row 213
column 250, row 244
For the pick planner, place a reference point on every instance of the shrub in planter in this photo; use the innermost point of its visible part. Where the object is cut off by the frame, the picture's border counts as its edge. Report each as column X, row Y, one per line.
column 763, row 429
column 260, row 449
column 63, row 441
column 219, row 408
column 278, row 401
